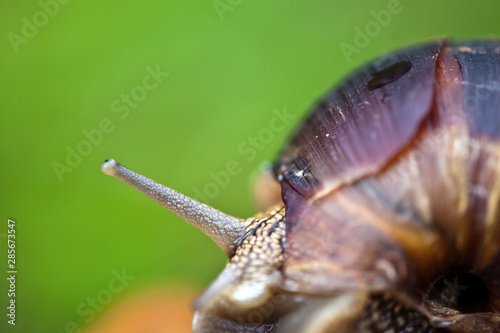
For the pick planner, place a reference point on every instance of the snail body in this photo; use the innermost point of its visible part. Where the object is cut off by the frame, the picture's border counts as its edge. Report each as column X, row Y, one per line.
column 390, row 213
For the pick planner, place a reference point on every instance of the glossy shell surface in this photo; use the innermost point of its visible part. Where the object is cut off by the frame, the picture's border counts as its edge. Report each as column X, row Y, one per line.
column 394, row 178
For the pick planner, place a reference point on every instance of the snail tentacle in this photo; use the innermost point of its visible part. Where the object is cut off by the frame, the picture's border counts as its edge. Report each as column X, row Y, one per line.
column 225, row 230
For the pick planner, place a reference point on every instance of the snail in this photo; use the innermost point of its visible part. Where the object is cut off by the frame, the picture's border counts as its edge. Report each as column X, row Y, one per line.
column 390, row 212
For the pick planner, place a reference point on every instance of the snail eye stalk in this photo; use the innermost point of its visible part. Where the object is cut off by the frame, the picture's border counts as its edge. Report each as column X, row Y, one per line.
column 224, row 230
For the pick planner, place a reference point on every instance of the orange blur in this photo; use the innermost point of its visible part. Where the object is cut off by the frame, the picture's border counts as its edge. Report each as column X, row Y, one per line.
column 165, row 310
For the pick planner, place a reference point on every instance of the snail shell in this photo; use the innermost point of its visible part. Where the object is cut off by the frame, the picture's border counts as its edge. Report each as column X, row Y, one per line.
column 390, row 220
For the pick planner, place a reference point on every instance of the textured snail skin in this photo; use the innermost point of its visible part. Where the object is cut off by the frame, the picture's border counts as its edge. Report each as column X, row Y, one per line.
column 390, row 220
column 225, row 230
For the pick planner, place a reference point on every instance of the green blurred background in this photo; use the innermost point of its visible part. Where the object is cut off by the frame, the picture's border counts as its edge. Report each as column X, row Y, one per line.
column 230, row 63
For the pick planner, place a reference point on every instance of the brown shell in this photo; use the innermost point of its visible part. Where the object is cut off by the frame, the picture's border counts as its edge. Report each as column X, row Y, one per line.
column 394, row 179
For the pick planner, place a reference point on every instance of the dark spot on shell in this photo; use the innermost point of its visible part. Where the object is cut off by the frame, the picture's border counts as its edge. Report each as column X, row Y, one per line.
column 106, row 161
column 389, row 75
column 460, row 291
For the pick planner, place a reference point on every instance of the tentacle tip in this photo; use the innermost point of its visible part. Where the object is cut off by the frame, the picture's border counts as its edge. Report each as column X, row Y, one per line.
column 110, row 167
